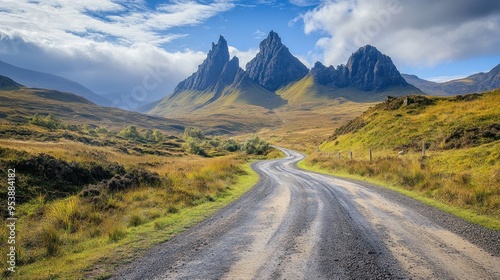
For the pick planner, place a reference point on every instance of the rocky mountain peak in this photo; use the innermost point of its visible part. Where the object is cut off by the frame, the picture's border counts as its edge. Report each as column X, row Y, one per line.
column 368, row 69
column 328, row 76
column 271, row 44
column 219, row 50
column 209, row 72
column 274, row 66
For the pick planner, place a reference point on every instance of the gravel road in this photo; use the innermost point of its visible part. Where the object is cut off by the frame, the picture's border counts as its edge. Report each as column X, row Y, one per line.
column 296, row 224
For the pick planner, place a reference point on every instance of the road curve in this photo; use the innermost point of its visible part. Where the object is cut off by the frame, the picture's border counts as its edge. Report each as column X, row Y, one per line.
column 296, row 224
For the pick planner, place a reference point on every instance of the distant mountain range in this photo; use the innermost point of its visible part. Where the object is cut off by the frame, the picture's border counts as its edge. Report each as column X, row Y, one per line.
column 7, row 83
column 274, row 66
column 18, row 103
column 35, row 79
column 275, row 75
column 273, row 80
column 479, row 82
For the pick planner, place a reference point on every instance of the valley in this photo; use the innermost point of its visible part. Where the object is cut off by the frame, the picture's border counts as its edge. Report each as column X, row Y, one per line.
column 204, row 183
column 297, row 225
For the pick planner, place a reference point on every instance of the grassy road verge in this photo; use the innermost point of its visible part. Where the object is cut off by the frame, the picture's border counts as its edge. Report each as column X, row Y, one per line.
column 466, row 214
column 97, row 258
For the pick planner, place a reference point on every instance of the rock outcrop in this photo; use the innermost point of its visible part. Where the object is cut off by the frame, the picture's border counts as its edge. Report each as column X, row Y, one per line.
column 479, row 82
column 216, row 70
column 274, row 66
column 367, row 69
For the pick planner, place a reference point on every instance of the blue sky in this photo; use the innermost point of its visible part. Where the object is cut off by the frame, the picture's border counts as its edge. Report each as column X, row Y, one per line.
column 114, row 46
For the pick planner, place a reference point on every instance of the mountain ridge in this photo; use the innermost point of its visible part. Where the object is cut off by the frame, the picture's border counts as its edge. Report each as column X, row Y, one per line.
column 7, row 83
column 220, row 84
column 35, row 79
column 19, row 105
column 367, row 69
column 274, row 66
column 479, row 82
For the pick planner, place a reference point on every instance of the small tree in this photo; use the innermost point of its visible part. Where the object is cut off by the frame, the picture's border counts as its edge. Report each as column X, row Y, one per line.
column 230, row 145
column 255, row 145
column 49, row 121
column 148, row 135
column 158, row 136
column 193, row 147
column 129, row 132
column 193, row 132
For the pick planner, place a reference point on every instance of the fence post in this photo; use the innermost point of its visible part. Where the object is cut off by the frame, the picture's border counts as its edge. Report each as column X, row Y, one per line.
column 339, row 155
column 350, row 154
column 423, row 148
column 371, row 155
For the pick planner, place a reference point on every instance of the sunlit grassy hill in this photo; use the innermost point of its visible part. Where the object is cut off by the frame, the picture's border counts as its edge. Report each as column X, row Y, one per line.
column 307, row 90
column 305, row 107
column 461, row 137
column 443, row 123
column 89, row 199
column 8, row 84
column 18, row 104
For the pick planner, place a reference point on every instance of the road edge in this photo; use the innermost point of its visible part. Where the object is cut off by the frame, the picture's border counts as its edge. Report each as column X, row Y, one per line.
column 486, row 238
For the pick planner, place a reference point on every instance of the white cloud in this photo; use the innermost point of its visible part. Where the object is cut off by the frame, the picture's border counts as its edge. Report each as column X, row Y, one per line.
column 109, row 46
column 442, row 79
column 258, row 34
column 243, row 56
column 422, row 32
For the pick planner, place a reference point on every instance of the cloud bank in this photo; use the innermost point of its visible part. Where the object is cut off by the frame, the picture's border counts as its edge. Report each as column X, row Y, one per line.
column 112, row 47
column 424, row 32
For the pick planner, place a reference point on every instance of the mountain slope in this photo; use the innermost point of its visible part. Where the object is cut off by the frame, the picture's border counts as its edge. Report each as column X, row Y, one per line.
column 222, row 93
column 218, row 85
column 444, row 123
column 8, row 84
column 428, row 87
column 36, row 79
column 479, row 82
column 274, row 66
column 210, row 71
column 461, row 135
column 17, row 105
column 368, row 76
column 367, row 69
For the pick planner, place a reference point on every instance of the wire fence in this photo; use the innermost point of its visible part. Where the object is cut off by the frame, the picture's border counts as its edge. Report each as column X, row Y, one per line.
column 362, row 155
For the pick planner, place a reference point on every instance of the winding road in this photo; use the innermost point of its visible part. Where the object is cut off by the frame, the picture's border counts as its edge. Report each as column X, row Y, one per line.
column 296, row 224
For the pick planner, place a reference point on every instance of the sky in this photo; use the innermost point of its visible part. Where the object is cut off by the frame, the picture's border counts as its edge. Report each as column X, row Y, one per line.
column 138, row 50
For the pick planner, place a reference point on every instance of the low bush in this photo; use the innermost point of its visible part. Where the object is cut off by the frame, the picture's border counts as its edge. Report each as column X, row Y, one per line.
column 45, row 175
column 193, row 146
column 230, row 145
column 130, row 132
column 193, row 132
column 48, row 121
column 256, row 146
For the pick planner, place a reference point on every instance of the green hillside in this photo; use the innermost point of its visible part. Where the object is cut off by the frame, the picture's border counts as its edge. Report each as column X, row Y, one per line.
column 244, row 93
column 443, row 123
column 19, row 104
column 307, row 90
column 8, row 84
column 461, row 136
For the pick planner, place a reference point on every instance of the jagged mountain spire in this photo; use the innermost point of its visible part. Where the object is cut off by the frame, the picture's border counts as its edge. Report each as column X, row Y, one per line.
column 209, row 72
column 274, row 66
column 367, row 69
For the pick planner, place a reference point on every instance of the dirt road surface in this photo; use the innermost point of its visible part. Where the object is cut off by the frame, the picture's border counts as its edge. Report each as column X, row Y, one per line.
column 296, row 224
